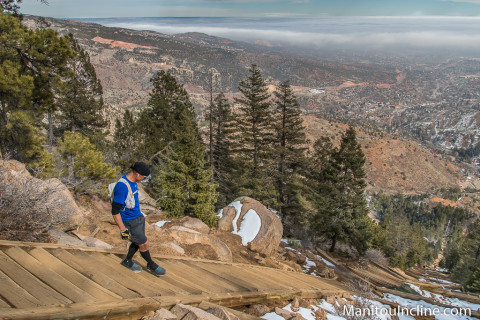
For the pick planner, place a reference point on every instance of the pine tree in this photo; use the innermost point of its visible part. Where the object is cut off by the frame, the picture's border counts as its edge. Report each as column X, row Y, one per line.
column 289, row 151
column 82, row 167
column 184, row 189
column 32, row 63
column 341, row 203
column 351, row 187
column 221, row 118
column 81, row 102
column 172, row 141
column 10, row 6
column 125, row 140
column 254, row 140
column 169, row 115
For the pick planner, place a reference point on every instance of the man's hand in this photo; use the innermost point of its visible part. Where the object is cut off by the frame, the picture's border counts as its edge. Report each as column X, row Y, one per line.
column 125, row 235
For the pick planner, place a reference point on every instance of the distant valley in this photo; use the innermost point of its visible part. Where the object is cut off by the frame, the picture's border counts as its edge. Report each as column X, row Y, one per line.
column 436, row 104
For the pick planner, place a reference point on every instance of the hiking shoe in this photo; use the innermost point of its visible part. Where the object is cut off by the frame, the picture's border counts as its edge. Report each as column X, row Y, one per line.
column 156, row 270
column 131, row 265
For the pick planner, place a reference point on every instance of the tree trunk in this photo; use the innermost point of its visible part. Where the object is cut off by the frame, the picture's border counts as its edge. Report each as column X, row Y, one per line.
column 50, row 129
column 334, row 243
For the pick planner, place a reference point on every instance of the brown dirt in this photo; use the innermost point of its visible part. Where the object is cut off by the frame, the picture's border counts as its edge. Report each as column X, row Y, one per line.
column 200, row 251
column 393, row 164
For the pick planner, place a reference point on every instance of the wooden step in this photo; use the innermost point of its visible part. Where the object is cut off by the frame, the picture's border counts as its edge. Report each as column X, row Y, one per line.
column 49, row 277
column 45, row 294
column 167, row 283
column 45, row 281
column 78, row 279
column 16, row 295
column 91, row 272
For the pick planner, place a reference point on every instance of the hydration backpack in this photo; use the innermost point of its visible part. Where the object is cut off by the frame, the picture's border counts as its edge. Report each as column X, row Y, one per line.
column 130, row 201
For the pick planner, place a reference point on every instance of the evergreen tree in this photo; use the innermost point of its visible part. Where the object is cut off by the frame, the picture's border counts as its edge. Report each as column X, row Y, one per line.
column 169, row 115
column 254, row 139
column 289, row 151
column 255, row 120
column 473, row 284
column 221, row 118
column 81, row 102
column 82, row 167
column 350, row 161
column 185, row 189
column 10, row 6
column 125, row 140
column 32, row 63
column 341, row 203
column 173, row 143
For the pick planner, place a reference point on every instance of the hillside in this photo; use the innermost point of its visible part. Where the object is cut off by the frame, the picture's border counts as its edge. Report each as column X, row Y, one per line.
column 126, row 59
column 394, row 165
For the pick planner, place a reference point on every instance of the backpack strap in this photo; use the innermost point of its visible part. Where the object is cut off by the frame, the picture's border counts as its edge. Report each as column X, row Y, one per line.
column 128, row 186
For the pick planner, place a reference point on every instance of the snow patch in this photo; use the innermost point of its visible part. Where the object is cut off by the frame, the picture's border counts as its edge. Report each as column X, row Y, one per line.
column 238, row 208
column 220, row 214
column 161, row 223
column 272, row 316
column 328, row 263
column 249, row 227
column 423, row 293
column 443, row 281
column 306, row 313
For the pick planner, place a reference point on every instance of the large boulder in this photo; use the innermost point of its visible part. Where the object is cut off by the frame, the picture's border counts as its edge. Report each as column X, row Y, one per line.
column 261, row 230
column 49, row 203
column 194, row 224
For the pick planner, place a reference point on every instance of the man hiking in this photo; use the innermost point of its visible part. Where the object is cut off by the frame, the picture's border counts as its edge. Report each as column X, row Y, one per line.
column 130, row 220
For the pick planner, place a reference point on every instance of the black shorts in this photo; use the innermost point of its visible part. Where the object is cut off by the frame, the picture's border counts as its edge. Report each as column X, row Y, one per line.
column 137, row 230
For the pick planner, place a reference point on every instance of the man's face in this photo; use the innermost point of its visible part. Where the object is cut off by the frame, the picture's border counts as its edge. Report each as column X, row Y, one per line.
column 140, row 178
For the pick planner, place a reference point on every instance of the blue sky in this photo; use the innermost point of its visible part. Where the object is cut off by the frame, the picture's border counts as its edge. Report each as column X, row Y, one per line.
column 249, row 8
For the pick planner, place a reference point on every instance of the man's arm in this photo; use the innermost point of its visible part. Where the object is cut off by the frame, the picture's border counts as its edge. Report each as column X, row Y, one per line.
column 118, row 220
column 124, row 233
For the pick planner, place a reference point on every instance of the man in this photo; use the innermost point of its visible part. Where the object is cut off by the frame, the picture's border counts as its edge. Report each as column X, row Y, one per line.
column 130, row 220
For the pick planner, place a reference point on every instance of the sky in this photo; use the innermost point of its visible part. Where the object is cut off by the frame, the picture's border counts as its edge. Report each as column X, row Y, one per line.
column 248, row 8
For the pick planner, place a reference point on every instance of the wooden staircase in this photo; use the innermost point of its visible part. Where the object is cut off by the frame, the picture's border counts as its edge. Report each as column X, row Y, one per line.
column 50, row 281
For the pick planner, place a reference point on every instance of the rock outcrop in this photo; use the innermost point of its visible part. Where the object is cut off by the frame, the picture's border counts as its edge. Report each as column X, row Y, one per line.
column 183, row 236
column 50, row 203
column 270, row 229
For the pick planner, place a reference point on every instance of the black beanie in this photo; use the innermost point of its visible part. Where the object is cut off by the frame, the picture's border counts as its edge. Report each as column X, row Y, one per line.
column 141, row 168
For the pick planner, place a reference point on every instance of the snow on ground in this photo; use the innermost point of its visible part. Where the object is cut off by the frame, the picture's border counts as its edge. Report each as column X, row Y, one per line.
column 249, row 227
column 443, row 281
column 336, row 312
column 308, row 264
column 374, row 310
column 220, row 214
column 308, row 314
column 272, row 316
column 423, row 293
column 161, row 223
column 328, row 263
column 455, row 302
column 443, row 312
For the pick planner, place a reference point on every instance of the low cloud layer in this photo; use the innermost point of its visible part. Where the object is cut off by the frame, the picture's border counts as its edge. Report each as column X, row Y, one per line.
column 419, row 33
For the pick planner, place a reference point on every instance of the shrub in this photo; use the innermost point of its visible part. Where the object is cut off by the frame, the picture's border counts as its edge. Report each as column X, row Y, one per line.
column 19, row 219
column 82, row 168
column 376, row 256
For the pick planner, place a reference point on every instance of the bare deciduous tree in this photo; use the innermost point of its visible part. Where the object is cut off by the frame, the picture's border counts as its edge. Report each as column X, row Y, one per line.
column 21, row 198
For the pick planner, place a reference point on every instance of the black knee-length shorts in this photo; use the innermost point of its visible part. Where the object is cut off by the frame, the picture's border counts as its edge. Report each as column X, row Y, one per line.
column 137, row 229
